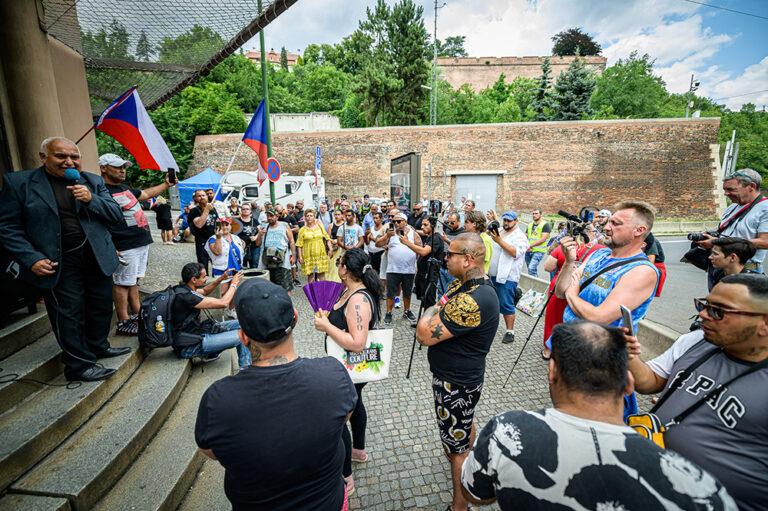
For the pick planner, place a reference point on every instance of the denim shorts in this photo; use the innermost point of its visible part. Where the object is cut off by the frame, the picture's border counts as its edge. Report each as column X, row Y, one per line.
column 506, row 294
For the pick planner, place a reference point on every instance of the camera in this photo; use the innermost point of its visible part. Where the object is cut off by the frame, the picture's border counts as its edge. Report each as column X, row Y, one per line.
column 435, row 207
column 701, row 236
column 493, row 227
column 577, row 225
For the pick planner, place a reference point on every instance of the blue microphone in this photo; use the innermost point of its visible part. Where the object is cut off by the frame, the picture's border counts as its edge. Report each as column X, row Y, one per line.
column 72, row 175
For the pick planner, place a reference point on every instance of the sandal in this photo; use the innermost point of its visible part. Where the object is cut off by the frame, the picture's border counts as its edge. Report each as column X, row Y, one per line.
column 350, row 484
column 360, row 458
column 546, row 357
column 127, row 328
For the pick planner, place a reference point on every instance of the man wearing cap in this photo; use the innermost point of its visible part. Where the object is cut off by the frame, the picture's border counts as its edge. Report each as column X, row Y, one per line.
column 193, row 337
column 131, row 240
column 55, row 221
column 401, row 264
column 276, row 426
column 600, row 222
column 202, row 223
column 538, row 233
column 506, row 266
column 746, row 218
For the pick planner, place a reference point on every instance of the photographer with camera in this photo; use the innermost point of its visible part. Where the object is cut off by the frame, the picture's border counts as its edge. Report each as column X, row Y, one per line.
column 506, row 263
column 620, row 274
column 746, row 218
column 401, row 264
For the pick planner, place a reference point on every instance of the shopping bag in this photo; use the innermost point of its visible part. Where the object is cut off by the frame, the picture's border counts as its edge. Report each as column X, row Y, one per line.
column 531, row 302
column 371, row 364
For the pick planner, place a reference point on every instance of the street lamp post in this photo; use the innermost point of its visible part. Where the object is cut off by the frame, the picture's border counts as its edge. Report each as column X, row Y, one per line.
column 433, row 89
column 693, row 87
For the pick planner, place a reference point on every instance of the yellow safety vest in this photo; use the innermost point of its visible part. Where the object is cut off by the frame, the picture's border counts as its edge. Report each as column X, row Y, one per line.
column 534, row 234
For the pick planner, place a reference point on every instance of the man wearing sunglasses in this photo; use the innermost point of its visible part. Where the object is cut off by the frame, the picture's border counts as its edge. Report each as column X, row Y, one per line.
column 417, row 216
column 725, row 433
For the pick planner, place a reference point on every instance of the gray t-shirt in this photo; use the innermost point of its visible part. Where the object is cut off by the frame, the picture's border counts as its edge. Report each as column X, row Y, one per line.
column 749, row 225
column 728, row 438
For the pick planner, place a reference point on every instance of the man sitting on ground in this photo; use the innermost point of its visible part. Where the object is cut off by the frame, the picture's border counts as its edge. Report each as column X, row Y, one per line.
column 255, row 423
column 727, row 435
column 580, row 455
column 207, row 339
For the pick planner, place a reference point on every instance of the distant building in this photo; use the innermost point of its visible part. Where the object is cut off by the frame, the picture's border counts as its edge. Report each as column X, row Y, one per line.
column 311, row 121
column 481, row 72
column 273, row 57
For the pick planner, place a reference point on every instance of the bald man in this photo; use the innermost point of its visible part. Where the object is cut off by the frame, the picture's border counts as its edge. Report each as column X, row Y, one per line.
column 459, row 331
column 57, row 230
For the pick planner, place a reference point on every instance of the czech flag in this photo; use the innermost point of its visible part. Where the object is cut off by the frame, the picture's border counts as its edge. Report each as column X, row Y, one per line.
column 126, row 120
column 255, row 137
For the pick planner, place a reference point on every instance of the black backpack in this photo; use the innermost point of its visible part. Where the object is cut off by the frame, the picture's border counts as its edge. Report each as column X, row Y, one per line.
column 155, row 319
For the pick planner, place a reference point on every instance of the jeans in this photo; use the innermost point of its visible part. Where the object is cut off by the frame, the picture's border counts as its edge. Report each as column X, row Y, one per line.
column 532, row 260
column 444, row 281
column 223, row 337
column 252, row 257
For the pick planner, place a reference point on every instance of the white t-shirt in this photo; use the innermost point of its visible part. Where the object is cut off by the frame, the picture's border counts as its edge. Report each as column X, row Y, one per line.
column 220, row 262
column 372, row 248
column 513, row 267
column 401, row 259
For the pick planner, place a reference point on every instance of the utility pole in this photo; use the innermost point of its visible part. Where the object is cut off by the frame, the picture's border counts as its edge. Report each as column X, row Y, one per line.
column 433, row 92
column 693, row 87
column 265, row 93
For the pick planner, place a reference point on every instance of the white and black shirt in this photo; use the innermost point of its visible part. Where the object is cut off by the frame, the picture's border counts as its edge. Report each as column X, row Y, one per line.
column 548, row 460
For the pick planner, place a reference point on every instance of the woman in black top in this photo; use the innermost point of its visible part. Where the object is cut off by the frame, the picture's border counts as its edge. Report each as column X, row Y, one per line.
column 164, row 220
column 355, row 312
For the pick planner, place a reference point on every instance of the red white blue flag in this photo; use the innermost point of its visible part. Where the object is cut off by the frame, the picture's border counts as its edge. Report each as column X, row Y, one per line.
column 255, row 137
column 126, row 120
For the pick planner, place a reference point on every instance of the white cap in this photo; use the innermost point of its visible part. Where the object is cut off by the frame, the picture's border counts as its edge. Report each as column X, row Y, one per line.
column 113, row 160
column 399, row 216
column 604, row 212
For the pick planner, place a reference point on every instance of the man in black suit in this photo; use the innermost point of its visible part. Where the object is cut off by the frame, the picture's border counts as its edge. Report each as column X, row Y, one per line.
column 56, row 228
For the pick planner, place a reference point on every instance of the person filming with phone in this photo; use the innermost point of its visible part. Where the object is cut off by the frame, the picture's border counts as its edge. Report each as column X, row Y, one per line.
column 400, row 239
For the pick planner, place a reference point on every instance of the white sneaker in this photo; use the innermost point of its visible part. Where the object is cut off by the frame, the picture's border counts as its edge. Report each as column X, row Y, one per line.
column 397, row 302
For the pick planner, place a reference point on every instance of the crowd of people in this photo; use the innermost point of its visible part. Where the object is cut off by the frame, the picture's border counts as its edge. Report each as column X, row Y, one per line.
column 84, row 242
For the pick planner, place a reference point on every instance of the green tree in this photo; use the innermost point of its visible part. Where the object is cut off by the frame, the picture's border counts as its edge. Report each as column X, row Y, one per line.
column 630, row 89
column 542, row 103
column 573, row 89
column 453, row 46
column 107, row 44
column 509, row 111
column 378, row 90
column 241, row 78
column 523, row 91
column 283, row 59
column 193, row 47
column 483, row 108
column 144, row 50
column 574, row 41
column 751, row 133
column 323, row 88
column 353, row 52
column 351, row 116
column 499, row 91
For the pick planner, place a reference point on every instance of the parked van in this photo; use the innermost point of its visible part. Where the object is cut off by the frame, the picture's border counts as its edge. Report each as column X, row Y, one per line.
column 288, row 189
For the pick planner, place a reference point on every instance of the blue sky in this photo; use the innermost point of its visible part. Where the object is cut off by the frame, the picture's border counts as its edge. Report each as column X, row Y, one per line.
column 727, row 52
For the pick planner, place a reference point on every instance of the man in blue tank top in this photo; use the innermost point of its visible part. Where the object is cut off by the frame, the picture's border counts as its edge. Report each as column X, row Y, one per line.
column 624, row 275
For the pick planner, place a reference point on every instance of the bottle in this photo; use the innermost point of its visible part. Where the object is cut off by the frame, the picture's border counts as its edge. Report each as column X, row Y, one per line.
column 160, row 325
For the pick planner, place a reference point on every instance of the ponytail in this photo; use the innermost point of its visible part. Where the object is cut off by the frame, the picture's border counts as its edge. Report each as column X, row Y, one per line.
column 358, row 263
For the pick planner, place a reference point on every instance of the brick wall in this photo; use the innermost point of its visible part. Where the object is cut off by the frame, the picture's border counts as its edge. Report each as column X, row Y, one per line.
column 481, row 72
column 553, row 165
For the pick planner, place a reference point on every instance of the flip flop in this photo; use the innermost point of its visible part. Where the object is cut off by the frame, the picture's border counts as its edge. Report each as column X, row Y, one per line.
column 364, row 459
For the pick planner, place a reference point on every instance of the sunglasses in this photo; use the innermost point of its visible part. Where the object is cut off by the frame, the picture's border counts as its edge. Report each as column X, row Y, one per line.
column 716, row 312
column 399, row 221
column 448, row 254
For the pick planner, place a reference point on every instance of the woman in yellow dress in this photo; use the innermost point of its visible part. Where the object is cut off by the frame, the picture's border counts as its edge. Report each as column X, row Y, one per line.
column 314, row 246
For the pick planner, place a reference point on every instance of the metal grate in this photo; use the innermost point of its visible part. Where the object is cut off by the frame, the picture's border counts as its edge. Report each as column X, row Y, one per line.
column 184, row 40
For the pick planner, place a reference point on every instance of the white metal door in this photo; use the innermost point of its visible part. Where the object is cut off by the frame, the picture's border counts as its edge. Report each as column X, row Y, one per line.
column 481, row 189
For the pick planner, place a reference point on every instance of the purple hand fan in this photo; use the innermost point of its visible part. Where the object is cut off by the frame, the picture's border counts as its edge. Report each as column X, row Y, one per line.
column 322, row 294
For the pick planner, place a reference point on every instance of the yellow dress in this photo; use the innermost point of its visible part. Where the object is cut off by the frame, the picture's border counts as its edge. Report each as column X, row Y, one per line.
column 313, row 249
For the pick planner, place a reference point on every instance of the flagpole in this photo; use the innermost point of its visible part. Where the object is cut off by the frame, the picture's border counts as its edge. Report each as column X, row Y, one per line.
column 265, row 93
column 231, row 161
column 116, row 102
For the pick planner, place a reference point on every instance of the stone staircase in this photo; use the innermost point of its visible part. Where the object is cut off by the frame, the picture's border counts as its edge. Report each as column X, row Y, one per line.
column 124, row 443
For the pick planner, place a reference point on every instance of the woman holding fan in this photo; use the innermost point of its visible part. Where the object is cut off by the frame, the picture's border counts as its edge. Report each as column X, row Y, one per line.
column 347, row 324
column 314, row 247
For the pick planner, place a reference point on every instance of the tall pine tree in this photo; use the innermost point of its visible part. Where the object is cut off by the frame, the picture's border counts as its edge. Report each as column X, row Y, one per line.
column 284, row 59
column 408, row 49
column 144, row 50
column 542, row 104
column 573, row 89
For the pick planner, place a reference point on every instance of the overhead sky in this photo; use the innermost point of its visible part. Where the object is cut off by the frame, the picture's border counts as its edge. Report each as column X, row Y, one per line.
column 726, row 51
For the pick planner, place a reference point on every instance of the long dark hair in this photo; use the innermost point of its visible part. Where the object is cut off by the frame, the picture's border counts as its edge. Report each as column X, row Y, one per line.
column 358, row 263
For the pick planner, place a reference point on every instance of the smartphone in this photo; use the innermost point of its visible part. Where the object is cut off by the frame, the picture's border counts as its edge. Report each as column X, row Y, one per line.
column 626, row 320
column 172, row 176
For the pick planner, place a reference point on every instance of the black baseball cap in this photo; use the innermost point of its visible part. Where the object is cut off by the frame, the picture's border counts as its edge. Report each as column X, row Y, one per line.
column 264, row 310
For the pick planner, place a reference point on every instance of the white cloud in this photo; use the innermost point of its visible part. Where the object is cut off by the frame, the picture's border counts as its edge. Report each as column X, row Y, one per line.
column 753, row 79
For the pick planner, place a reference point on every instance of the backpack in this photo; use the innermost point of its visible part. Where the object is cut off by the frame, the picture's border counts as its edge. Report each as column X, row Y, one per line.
column 155, row 319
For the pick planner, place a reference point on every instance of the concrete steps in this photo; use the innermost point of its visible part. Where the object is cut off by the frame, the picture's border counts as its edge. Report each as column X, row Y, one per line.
column 207, row 491
column 39, row 361
column 160, row 477
column 110, row 441
column 33, row 503
column 37, row 425
column 23, row 330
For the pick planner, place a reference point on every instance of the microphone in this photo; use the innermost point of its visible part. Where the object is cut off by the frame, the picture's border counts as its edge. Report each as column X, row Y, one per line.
column 564, row 214
column 72, row 175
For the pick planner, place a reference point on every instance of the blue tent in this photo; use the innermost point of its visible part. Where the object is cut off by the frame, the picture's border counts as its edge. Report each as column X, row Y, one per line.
column 208, row 178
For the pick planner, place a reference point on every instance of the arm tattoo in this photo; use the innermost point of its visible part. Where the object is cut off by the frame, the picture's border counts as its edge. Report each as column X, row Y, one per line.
column 437, row 331
column 358, row 318
column 429, row 313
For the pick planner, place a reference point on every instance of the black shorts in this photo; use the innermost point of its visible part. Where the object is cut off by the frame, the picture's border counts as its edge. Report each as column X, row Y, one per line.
column 281, row 277
column 455, row 410
column 394, row 280
column 376, row 260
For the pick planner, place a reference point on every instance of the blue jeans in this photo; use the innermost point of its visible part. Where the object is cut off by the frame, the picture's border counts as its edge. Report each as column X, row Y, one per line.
column 444, row 281
column 224, row 337
column 532, row 260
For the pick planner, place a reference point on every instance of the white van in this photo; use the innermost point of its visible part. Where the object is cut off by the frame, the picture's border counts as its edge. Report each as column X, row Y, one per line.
column 288, row 189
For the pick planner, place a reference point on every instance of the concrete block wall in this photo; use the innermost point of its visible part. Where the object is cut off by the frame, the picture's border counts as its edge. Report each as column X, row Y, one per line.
column 549, row 165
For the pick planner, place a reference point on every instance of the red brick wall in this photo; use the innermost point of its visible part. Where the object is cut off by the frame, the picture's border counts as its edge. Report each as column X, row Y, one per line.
column 553, row 165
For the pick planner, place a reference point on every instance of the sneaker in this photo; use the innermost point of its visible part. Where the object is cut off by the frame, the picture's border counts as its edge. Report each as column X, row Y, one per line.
column 127, row 327
column 296, row 282
column 388, row 318
column 509, row 338
column 397, row 302
column 210, row 357
column 409, row 316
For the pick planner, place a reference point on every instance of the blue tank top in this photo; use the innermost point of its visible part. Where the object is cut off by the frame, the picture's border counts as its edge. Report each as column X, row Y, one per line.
column 601, row 287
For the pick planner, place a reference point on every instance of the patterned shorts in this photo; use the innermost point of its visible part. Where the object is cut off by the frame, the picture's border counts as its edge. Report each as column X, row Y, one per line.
column 455, row 409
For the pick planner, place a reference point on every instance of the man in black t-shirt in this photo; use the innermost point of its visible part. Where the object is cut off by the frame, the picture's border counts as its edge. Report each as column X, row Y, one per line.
column 131, row 240
column 202, row 224
column 459, row 331
column 276, row 426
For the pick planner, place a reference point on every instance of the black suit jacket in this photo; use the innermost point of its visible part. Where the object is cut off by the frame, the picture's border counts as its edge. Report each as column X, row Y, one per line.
column 30, row 229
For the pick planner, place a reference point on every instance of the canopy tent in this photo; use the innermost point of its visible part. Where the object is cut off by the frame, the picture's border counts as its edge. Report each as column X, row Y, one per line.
column 208, row 178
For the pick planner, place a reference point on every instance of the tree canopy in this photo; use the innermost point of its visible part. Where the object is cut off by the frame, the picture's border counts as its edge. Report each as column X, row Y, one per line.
column 574, row 41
